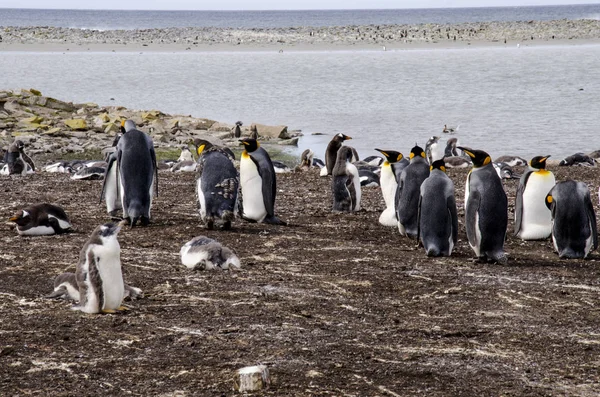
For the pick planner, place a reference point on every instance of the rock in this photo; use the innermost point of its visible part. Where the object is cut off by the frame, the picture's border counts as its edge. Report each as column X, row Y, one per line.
column 221, row 127
column 111, row 129
column 56, row 104
column 152, row 115
column 76, row 124
column 290, row 142
column 35, row 92
column 253, row 378
column 54, row 132
column 278, row 131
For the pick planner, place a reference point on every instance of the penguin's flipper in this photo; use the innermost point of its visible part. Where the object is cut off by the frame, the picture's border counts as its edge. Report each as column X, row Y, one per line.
column 519, row 202
column 592, row 219
column 59, row 293
column 269, row 188
column 351, row 191
column 153, row 155
column 28, row 160
column 53, row 223
column 418, row 237
column 471, row 217
column 451, row 203
column 107, row 179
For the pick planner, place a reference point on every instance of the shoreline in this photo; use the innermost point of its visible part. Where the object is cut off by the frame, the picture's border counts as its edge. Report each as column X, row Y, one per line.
column 369, row 37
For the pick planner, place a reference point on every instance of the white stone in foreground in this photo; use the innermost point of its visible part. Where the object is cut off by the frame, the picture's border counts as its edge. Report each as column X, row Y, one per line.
column 252, row 378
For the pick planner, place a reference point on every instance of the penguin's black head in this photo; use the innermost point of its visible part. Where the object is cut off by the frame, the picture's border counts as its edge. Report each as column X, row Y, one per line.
column 391, row 156
column 438, row 165
column 416, row 152
column 539, row 162
column 341, row 137
column 479, row 157
column 250, row 144
column 201, row 145
column 20, row 218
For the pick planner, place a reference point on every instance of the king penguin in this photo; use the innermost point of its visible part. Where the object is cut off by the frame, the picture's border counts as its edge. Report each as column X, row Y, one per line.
column 574, row 229
column 216, row 186
column 41, row 220
column 533, row 220
column 99, row 275
column 345, row 184
column 408, row 192
column 131, row 176
column 258, row 184
column 438, row 219
column 391, row 169
column 331, row 152
column 486, row 208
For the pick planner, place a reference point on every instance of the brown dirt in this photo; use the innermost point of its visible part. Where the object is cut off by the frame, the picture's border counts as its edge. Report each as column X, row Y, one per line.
column 334, row 304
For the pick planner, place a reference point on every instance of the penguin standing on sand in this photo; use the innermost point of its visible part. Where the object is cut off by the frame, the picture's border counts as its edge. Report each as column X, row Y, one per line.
column 533, row 220
column 574, row 229
column 131, row 176
column 41, row 220
column 17, row 162
column 99, row 275
column 438, row 219
column 345, row 184
column 216, row 186
column 331, row 153
column 391, row 169
column 486, row 208
column 259, row 186
column 408, row 192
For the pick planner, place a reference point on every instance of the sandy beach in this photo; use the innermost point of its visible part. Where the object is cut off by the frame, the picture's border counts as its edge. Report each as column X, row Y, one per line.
column 389, row 37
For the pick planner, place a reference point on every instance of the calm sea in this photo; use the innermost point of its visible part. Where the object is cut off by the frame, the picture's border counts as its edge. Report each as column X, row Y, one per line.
column 113, row 19
column 526, row 101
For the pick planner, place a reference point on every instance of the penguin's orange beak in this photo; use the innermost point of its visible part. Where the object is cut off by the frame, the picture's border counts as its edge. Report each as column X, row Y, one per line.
column 13, row 218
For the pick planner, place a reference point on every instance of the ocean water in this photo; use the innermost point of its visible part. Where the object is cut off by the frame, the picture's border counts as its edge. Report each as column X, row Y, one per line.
column 113, row 19
column 525, row 101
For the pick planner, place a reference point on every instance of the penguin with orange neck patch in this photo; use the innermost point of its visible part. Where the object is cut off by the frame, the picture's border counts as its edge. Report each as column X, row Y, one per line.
column 533, row 220
column 486, row 208
column 258, row 183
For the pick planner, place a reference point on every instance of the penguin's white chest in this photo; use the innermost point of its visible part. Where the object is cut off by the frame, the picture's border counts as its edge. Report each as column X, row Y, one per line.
column 536, row 222
column 388, row 184
column 108, row 262
column 201, row 198
column 252, row 196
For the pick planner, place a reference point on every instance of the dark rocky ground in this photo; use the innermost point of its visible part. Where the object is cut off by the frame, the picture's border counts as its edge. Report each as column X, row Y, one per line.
column 334, row 304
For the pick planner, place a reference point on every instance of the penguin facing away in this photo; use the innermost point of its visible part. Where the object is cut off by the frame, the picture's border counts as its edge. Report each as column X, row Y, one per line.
column 408, row 192
column 331, row 152
column 574, row 229
column 41, row 220
column 216, row 186
column 99, row 275
column 131, row 176
column 533, row 220
column 486, row 208
column 203, row 253
column 345, row 184
column 438, row 219
column 258, row 184
column 391, row 169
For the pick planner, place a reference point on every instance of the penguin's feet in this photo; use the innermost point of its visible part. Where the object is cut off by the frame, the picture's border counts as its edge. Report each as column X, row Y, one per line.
column 227, row 225
column 123, row 308
column 108, row 311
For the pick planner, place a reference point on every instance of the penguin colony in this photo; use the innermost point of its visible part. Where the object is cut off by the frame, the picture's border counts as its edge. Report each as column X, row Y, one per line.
column 419, row 200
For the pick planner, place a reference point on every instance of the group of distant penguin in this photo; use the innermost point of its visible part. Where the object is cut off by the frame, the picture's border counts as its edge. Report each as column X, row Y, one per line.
column 419, row 200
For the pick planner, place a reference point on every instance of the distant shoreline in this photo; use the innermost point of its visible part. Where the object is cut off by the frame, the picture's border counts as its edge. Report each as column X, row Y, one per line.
column 371, row 37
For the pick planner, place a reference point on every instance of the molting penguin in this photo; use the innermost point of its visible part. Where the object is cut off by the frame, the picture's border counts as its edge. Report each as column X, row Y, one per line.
column 438, row 219
column 391, row 169
column 574, row 230
column 513, row 161
column 131, row 176
column 216, row 186
column 331, row 152
column 186, row 154
column 99, row 275
column 486, row 208
column 408, row 192
column 345, row 184
column 237, row 130
column 306, row 160
column 450, row 149
column 259, row 187
column 203, row 253
column 578, row 159
column 66, row 287
column 533, row 220
column 17, row 161
column 41, row 220
column 434, row 149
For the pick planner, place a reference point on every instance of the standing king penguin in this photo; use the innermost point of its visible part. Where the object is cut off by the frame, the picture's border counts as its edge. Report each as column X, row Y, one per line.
column 331, row 152
column 438, row 219
column 391, row 169
column 217, row 185
column 533, row 220
column 345, row 184
column 486, row 208
column 408, row 192
column 131, row 176
column 574, row 229
column 259, row 187
column 99, row 275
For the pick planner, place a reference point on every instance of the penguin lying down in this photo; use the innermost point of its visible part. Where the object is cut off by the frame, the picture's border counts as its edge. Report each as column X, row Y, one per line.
column 203, row 253
column 41, row 220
